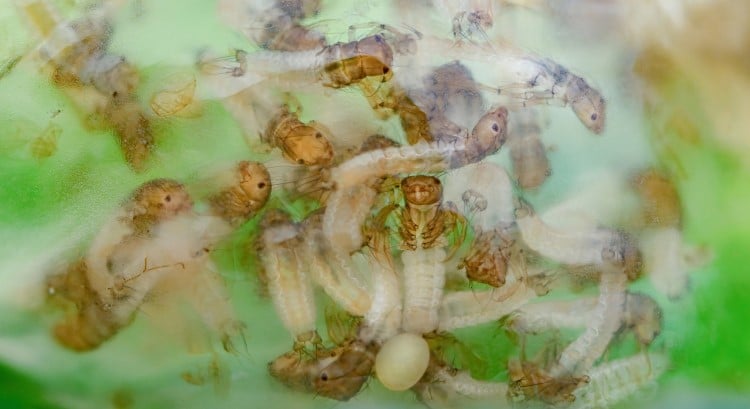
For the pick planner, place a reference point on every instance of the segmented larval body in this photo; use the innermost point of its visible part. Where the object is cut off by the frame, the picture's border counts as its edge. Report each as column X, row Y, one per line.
column 551, row 315
column 346, row 211
column 485, row 139
column 611, row 382
column 338, row 283
column 447, row 385
column 466, row 308
column 578, row 247
column 533, row 79
column 578, row 357
column 383, row 320
column 424, row 279
column 288, row 281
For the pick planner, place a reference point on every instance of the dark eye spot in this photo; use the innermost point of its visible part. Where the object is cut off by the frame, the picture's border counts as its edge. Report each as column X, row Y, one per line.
column 300, row 161
column 318, row 135
column 386, row 70
column 324, row 376
column 261, row 185
column 594, row 116
column 168, row 198
column 495, row 127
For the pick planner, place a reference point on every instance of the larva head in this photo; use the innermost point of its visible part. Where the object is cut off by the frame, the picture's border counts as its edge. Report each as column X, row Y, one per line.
column 161, row 198
column 254, row 183
column 308, row 145
column 623, row 252
column 248, row 193
column 589, row 105
column 402, row 361
column 377, row 47
column 644, row 316
column 489, row 134
column 422, row 190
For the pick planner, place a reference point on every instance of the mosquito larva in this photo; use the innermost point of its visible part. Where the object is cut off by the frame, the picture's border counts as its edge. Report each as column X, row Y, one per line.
column 574, row 248
column 467, row 308
column 641, row 315
column 611, row 382
column 289, row 283
column 345, row 291
column 423, row 225
column 383, row 320
column 532, row 79
column 578, row 357
column 444, row 384
column 486, row 138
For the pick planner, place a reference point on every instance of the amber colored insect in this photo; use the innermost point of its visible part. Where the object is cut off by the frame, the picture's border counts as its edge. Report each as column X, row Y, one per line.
column 422, row 221
column 172, row 100
column 132, row 129
column 488, row 258
column 348, row 71
column 305, row 144
column 528, row 381
column 246, row 196
column 336, row 373
column 343, row 378
column 392, row 97
column 155, row 200
column 659, row 198
column 45, row 145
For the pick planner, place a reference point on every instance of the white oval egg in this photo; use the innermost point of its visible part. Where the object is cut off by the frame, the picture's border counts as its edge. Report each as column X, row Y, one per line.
column 402, row 361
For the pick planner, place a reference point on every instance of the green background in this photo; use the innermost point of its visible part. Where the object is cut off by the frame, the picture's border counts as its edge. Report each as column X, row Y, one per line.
column 49, row 208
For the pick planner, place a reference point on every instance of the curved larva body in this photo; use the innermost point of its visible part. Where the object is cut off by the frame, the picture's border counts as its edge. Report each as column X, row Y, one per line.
column 424, row 279
column 578, row 357
column 383, row 320
column 551, row 315
column 288, row 282
column 614, row 381
column 565, row 247
column 463, row 384
column 539, row 79
column 346, row 211
column 338, row 283
column 467, row 308
column 418, row 158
